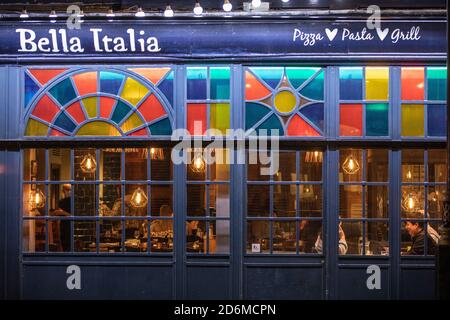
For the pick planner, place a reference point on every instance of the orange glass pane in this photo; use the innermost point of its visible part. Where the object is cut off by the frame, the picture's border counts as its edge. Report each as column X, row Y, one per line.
column 151, row 108
column 45, row 109
column 106, row 106
column 140, row 132
column 413, row 80
column 56, row 133
column 152, row 74
column 299, row 127
column 196, row 118
column 350, row 120
column 254, row 90
column 76, row 112
column 86, row 82
column 45, row 75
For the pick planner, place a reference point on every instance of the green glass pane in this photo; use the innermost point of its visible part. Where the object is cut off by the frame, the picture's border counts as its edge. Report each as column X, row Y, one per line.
column 220, row 83
column 271, row 76
column 412, row 120
column 253, row 113
column 297, row 76
column 437, row 83
column 314, row 89
column 220, row 117
column 63, row 91
column 161, row 128
column 271, row 123
column 377, row 119
column 120, row 112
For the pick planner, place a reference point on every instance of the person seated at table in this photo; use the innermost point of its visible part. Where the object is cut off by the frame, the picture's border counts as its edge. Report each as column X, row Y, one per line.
column 163, row 225
column 64, row 210
column 343, row 247
column 416, row 231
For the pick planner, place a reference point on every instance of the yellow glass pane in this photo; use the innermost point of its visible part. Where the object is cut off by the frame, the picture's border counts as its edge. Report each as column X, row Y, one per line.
column 132, row 122
column 377, row 83
column 220, row 116
column 98, row 128
column 36, row 128
column 285, row 101
column 133, row 91
column 412, row 120
column 90, row 104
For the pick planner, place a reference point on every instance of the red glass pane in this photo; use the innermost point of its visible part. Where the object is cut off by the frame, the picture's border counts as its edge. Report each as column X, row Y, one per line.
column 86, row 82
column 106, row 106
column 196, row 118
column 151, row 108
column 140, row 132
column 152, row 74
column 350, row 119
column 413, row 80
column 56, row 133
column 45, row 109
column 299, row 127
column 45, row 75
column 254, row 90
column 76, row 112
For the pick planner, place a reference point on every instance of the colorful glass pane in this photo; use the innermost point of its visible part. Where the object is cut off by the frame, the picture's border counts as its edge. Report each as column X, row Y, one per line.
column 90, row 105
column 106, row 106
column 377, row 119
column 86, row 82
column 285, row 101
column 437, row 83
column 120, row 111
column 413, row 83
column 154, row 75
column 64, row 122
column 133, row 91
column 98, row 128
column 437, row 120
column 57, row 133
column 412, row 120
column 314, row 113
column 297, row 76
column 45, row 75
column 299, row 127
column 131, row 123
column 196, row 118
column 140, row 132
column 76, row 112
column 161, row 128
column 151, row 108
column 220, row 116
column 45, row 109
column 219, row 83
column 254, row 112
column 272, row 125
column 270, row 75
column 314, row 89
column 377, row 83
column 196, row 83
column 350, row 83
column 31, row 88
column 63, row 92
column 166, row 87
column 36, row 128
column 110, row 82
column 350, row 119
column 254, row 90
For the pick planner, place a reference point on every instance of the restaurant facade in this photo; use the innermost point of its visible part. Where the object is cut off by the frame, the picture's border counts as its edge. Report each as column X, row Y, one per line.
column 94, row 205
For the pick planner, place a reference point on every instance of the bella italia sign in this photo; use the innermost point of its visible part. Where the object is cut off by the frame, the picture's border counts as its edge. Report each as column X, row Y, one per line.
column 230, row 40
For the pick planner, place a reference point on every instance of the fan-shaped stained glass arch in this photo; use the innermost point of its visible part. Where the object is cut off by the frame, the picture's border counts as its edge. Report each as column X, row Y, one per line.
column 290, row 99
column 99, row 102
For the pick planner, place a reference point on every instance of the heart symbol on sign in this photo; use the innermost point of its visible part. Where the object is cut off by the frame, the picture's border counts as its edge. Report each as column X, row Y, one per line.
column 331, row 34
column 382, row 33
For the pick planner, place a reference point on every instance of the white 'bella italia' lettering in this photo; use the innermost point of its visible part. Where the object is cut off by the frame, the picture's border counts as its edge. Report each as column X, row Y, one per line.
column 133, row 43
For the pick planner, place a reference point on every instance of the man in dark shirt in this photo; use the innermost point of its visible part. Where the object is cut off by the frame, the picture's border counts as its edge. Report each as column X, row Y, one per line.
column 64, row 209
column 417, row 233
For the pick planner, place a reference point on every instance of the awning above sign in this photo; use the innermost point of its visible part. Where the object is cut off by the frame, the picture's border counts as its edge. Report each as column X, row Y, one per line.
column 225, row 40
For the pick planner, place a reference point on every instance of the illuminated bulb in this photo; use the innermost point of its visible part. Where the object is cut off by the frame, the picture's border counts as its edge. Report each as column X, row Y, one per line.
column 81, row 14
column 408, row 174
column 37, row 199
column 256, row 3
column 53, row 14
column 140, row 13
column 227, row 6
column 198, row 10
column 168, row 13
column 138, row 198
column 350, row 165
column 410, row 203
column 110, row 13
column 88, row 164
column 24, row 14
column 198, row 163
column 152, row 151
column 285, row 1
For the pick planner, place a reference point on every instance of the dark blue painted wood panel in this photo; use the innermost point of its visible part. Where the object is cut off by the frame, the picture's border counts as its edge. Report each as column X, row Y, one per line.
column 208, row 282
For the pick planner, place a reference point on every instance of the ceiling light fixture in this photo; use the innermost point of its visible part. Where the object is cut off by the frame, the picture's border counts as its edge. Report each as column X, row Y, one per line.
column 227, row 6
column 256, row 3
column 110, row 13
column 198, row 10
column 24, row 14
column 140, row 13
column 168, row 13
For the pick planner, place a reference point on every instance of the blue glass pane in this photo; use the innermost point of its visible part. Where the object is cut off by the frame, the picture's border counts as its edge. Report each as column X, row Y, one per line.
column 314, row 113
column 120, row 112
column 271, row 123
column 271, row 76
column 196, row 83
column 350, row 83
column 253, row 113
column 377, row 119
column 110, row 82
column 161, row 128
column 314, row 89
column 30, row 89
column 166, row 87
column 63, row 92
column 437, row 119
column 64, row 122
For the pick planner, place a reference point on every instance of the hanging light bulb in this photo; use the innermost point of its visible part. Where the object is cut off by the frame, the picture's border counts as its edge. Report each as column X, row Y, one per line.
column 408, row 175
column 88, row 165
column 350, row 165
column 140, row 13
column 53, row 14
column 227, row 6
column 156, row 154
column 24, row 14
column 409, row 202
column 138, row 198
column 168, row 13
column 198, row 10
column 37, row 199
column 285, row 1
column 110, row 13
column 81, row 14
column 198, row 163
column 256, row 3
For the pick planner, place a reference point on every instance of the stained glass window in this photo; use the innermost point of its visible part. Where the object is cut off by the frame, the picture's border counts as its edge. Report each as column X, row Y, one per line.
column 424, row 99
column 364, row 101
column 106, row 102
column 208, row 100
column 287, row 99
